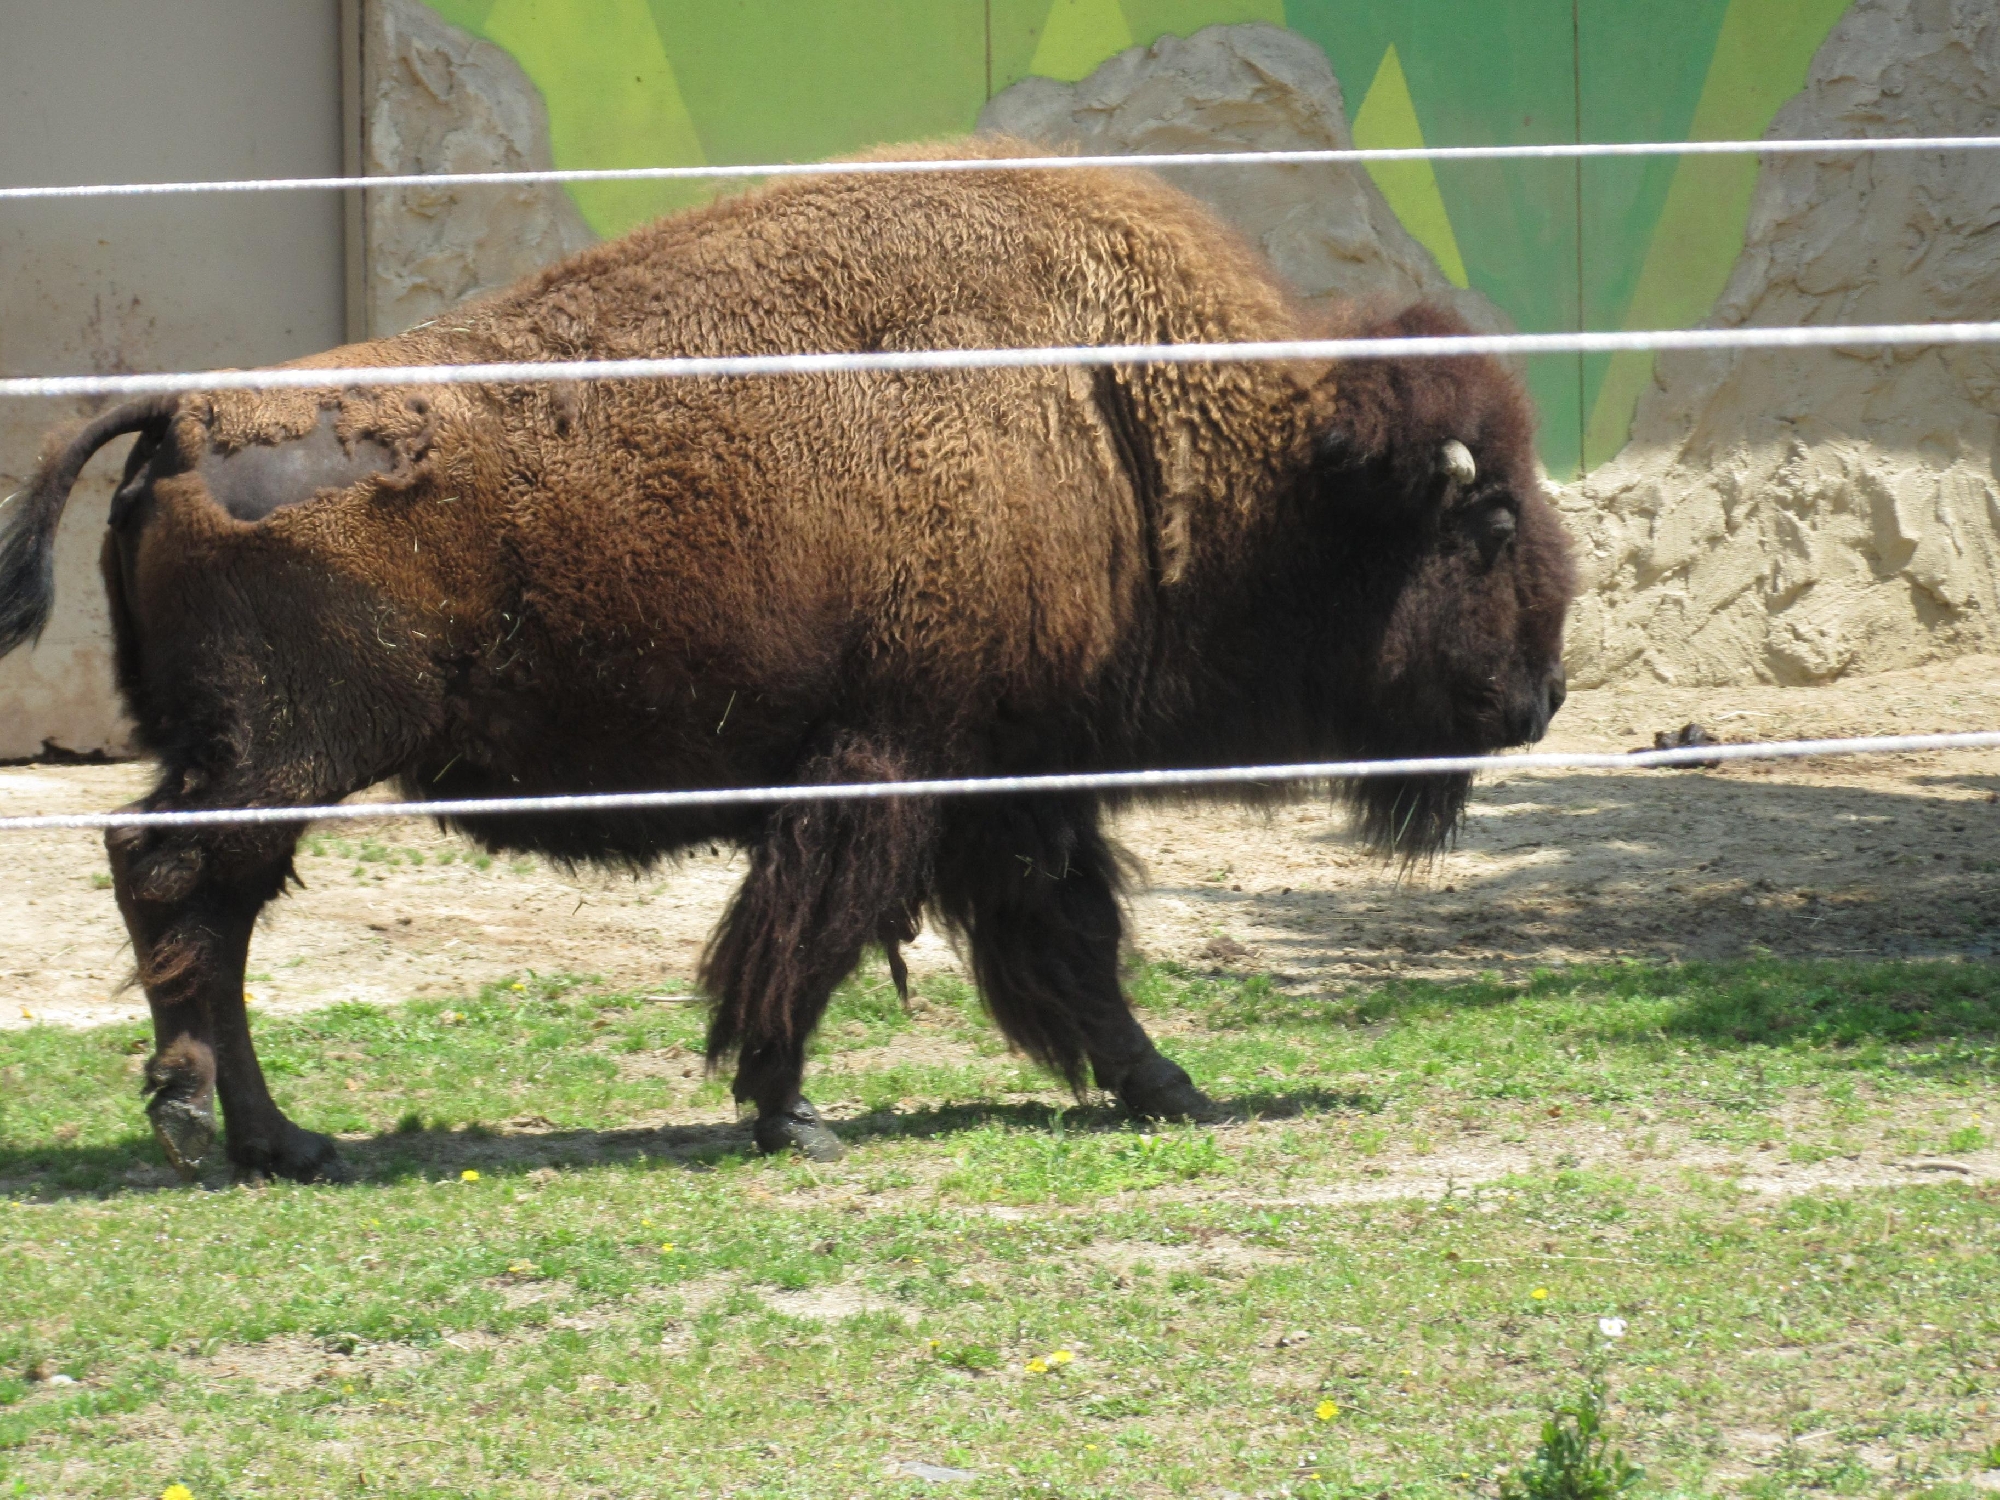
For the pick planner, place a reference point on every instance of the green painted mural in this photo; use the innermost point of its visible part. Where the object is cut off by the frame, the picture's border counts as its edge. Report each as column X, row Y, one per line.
column 1628, row 243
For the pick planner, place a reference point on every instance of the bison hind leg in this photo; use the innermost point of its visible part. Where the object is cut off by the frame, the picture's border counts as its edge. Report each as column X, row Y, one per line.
column 1033, row 885
column 190, row 898
column 826, row 879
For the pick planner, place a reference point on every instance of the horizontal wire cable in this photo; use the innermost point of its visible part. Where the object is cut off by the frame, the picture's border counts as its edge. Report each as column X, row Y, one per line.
column 1081, row 781
column 1874, row 335
column 1556, row 151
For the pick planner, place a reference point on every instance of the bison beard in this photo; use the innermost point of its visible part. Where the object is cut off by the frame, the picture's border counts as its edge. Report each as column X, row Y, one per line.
column 485, row 591
column 1408, row 817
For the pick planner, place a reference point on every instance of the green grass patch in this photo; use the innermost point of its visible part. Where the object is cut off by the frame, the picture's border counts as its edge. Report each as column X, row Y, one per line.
column 563, row 1272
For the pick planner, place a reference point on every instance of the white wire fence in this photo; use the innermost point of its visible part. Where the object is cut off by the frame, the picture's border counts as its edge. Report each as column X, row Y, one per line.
column 1844, row 336
column 1193, row 778
column 1563, row 151
column 1877, row 336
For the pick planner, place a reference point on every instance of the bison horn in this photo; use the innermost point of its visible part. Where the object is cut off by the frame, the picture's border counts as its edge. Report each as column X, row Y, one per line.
column 1455, row 459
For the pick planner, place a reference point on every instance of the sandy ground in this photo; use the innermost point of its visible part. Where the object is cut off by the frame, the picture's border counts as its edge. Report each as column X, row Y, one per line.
column 1883, row 856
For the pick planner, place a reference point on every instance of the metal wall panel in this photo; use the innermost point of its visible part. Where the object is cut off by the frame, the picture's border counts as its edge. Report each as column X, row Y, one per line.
column 137, row 90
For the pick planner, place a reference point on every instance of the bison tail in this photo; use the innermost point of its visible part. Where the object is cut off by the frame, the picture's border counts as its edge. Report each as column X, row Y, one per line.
column 29, row 518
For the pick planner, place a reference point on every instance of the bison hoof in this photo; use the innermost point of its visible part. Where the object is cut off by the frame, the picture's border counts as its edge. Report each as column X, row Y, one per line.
column 1158, row 1089
column 289, row 1152
column 798, row 1129
column 185, row 1131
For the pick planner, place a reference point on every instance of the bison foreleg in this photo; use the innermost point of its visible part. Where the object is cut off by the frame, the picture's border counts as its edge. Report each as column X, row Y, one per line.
column 190, row 899
column 1033, row 886
column 825, row 880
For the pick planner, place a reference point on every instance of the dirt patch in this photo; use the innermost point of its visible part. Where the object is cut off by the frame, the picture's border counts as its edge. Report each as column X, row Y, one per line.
column 1215, row 1257
column 292, row 1362
column 295, row 1362
column 921, row 1047
column 1888, row 857
column 1467, row 1166
column 828, row 1304
column 674, row 1064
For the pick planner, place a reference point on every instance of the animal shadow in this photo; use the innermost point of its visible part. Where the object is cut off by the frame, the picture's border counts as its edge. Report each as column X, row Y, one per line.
column 44, row 1172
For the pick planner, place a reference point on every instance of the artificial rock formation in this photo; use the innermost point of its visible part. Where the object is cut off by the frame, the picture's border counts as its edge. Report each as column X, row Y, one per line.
column 1252, row 87
column 437, row 99
column 1794, row 517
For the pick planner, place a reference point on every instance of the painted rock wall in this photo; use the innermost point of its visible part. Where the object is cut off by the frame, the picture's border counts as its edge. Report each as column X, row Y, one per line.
column 437, row 99
column 1327, row 228
column 1795, row 517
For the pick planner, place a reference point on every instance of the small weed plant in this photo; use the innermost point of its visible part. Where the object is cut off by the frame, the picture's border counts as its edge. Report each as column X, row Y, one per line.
column 1575, row 1459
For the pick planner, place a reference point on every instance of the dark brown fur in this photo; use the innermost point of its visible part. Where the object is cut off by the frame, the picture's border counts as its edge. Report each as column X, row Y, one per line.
column 567, row 587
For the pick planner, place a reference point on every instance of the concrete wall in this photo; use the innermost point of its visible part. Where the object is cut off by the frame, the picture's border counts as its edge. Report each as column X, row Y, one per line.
column 137, row 90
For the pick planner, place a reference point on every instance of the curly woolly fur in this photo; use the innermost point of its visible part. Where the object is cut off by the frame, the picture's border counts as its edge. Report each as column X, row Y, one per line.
column 585, row 587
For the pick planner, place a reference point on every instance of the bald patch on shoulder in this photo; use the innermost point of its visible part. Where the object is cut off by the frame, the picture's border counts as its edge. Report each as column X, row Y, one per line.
column 253, row 481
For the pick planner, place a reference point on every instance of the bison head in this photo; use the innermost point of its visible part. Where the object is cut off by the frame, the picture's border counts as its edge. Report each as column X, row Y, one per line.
column 1453, row 569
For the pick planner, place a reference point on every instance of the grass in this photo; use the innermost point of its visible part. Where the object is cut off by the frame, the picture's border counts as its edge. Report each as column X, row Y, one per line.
column 369, row 852
column 1334, row 1296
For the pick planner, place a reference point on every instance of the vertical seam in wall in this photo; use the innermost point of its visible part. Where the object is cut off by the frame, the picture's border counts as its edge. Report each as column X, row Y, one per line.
column 1576, row 116
column 353, row 22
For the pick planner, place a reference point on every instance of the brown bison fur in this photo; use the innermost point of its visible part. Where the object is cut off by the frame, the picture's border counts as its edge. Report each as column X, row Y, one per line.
column 569, row 587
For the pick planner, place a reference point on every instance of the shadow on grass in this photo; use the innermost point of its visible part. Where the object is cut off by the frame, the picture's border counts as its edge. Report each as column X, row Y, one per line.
column 702, row 1147
column 134, row 1165
column 46, row 1170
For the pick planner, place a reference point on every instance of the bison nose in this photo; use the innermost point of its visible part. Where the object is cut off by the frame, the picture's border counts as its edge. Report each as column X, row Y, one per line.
column 1527, row 717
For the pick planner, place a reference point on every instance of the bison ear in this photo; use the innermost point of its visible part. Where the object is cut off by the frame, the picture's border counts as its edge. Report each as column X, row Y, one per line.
column 1456, row 466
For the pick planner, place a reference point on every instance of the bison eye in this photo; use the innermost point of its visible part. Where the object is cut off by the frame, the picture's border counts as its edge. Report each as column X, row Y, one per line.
column 1491, row 525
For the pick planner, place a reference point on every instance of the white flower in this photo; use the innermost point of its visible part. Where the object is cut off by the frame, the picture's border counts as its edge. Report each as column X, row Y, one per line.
column 1611, row 1328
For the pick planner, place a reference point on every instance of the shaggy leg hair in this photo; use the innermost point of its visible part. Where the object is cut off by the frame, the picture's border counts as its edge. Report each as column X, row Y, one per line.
column 1410, row 818
column 826, row 879
column 190, row 899
column 1033, row 886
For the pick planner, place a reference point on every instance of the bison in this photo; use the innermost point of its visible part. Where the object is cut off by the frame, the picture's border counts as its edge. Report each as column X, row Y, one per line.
column 572, row 587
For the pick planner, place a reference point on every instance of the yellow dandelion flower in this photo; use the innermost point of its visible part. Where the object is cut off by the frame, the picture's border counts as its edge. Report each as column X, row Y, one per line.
column 470, row 1174
column 176, row 1492
column 1061, row 1357
column 1540, row 1294
column 666, row 1247
column 934, row 1343
column 517, row 985
column 1038, row 1366
column 521, row 1268
column 1326, row 1411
